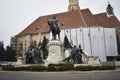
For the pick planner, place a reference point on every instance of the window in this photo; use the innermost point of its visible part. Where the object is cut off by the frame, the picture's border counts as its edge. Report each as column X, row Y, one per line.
column 37, row 27
column 110, row 58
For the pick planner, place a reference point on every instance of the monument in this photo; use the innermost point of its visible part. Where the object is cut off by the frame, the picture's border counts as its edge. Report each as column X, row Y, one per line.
column 36, row 54
column 55, row 47
column 33, row 55
column 53, row 51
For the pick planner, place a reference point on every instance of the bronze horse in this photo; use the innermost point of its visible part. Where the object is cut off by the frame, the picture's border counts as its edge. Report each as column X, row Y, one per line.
column 54, row 28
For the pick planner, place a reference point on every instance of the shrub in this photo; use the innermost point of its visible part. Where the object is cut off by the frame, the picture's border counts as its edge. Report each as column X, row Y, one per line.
column 28, row 68
column 106, row 68
column 51, row 68
column 8, row 68
column 38, row 68
column 89, row 68
column 12, row 68
column 84, row 68
column 60, row 67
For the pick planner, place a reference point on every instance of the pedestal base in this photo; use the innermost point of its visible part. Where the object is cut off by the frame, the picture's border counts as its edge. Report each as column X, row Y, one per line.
column 91, row 60
column 55, row 55
column 19, row 61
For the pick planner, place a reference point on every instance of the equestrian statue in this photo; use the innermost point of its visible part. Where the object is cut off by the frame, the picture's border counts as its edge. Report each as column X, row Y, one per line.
column 53, row 23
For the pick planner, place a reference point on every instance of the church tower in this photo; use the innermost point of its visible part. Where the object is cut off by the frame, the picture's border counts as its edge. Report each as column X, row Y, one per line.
column 109, row 10
column 73, row 5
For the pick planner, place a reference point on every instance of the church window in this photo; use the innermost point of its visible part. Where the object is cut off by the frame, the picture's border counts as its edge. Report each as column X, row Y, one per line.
column 37, row 27
column 72, row 8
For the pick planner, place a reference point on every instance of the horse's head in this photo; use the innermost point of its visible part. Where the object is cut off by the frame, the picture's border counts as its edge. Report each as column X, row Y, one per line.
column 50, row 22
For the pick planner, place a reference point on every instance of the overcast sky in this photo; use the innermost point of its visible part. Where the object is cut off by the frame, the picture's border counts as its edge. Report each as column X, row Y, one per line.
column 15, row 15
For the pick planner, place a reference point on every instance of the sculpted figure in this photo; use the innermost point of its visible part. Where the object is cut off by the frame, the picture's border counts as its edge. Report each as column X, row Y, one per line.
column 53, row 23
column 75, row 55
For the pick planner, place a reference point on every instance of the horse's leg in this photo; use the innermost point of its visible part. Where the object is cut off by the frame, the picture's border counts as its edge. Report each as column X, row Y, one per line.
column 54, row 37
column 59, row 36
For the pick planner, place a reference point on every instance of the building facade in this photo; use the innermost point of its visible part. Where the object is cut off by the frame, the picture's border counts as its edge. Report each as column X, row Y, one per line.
column 75, row 18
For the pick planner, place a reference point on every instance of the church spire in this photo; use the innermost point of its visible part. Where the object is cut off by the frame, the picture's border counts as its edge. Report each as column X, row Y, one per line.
column 73, row 5
column 109, row 10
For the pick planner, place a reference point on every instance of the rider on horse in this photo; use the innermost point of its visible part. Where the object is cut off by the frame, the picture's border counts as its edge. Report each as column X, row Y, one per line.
column 53, row 23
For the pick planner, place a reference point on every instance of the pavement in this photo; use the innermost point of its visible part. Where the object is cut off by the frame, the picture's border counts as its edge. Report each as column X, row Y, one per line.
column 67, row 75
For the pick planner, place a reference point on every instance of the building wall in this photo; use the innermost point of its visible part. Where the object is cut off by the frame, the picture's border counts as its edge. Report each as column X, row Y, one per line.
column 111, row 42
column 13, row 43
column 96, row 41
column 118, row 39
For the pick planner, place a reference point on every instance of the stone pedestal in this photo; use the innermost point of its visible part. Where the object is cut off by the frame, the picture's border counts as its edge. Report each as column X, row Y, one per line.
column 19, row 61
column 56, row 54
column 91, row 60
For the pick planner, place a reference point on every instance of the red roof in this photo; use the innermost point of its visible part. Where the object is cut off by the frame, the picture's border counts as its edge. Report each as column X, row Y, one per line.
column 108, row 22
column 71, row 19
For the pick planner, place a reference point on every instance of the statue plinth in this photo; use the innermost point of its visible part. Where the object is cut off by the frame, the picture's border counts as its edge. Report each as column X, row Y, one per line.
column 92, row 60
column 56, row 54
column 19, row 61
